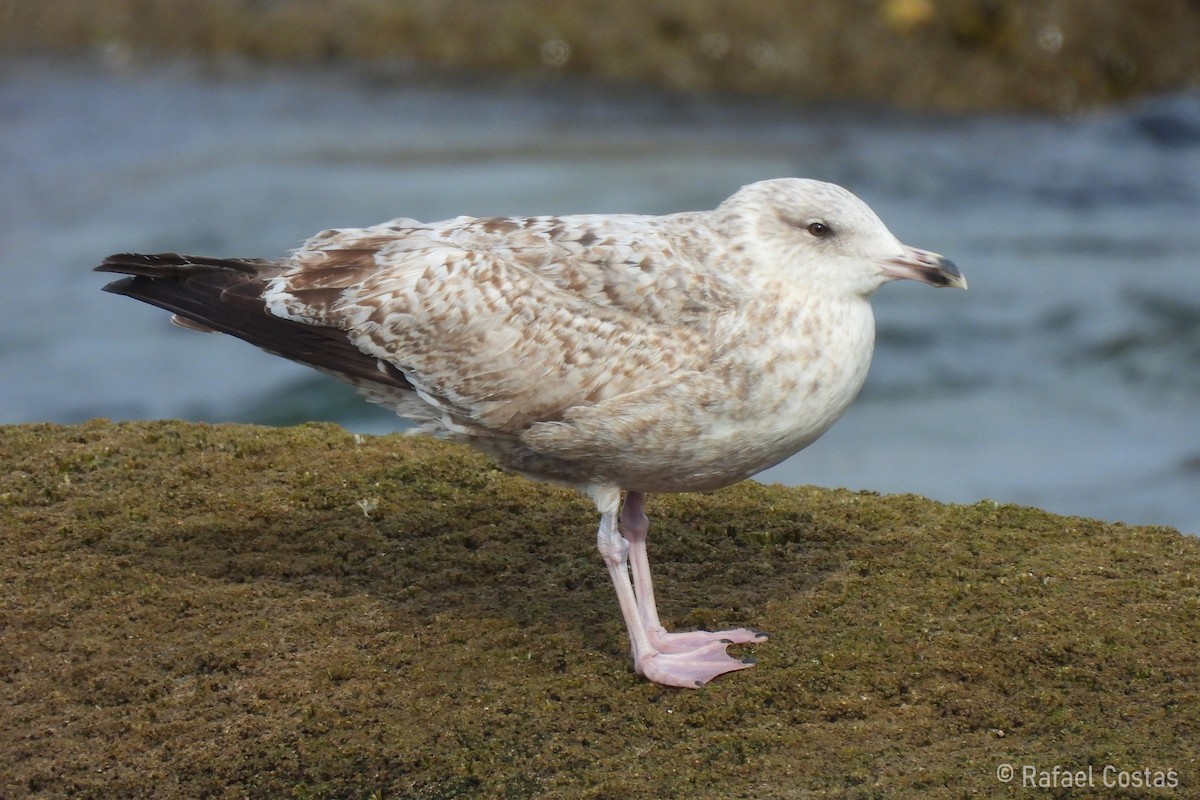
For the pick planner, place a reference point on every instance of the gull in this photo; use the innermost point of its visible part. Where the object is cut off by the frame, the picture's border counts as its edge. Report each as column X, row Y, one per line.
column 619, row 354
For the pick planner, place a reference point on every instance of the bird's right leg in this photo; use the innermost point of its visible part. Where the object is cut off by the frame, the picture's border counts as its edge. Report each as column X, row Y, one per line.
column 689, row 669
column 636, row 527
column 614, row 549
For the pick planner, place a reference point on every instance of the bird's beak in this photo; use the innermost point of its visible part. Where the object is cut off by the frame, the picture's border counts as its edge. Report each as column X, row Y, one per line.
column 924, row 266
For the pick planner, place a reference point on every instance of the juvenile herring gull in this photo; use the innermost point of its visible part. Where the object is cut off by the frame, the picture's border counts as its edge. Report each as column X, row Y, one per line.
column 614, row 353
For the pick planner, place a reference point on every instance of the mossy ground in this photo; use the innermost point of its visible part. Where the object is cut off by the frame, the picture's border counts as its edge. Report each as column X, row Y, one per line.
column 1049, row 55
column 235, row 611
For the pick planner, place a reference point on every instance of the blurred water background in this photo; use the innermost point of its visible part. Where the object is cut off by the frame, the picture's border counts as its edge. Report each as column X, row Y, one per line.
column 1067, row 378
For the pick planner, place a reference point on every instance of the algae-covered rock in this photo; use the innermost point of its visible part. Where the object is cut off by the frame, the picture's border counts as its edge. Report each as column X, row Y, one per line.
column 235, row 611
column 1050, row 55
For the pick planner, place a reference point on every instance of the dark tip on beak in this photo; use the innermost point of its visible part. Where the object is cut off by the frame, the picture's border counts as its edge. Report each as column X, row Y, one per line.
column 924, row 266
column 946, row 273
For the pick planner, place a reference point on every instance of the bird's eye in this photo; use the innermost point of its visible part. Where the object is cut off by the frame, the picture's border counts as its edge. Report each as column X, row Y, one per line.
column 819, row 229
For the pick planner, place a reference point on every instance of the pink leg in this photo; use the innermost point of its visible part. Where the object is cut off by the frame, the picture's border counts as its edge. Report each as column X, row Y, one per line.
column 686, row 662
column 635, row 525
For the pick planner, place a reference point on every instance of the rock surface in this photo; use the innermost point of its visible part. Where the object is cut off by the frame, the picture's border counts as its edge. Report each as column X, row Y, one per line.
column 235, row 611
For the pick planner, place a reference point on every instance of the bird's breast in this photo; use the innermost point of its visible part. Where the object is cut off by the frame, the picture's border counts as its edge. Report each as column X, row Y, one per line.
column 792, row 376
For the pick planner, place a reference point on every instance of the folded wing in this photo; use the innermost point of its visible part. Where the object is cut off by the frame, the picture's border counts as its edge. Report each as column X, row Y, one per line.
column 501, row 323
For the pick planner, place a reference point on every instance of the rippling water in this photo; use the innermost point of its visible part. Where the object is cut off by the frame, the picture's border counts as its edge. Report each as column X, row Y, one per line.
column 1068, row 377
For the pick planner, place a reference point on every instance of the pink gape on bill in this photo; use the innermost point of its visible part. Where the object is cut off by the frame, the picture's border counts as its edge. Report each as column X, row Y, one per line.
column 614, row 353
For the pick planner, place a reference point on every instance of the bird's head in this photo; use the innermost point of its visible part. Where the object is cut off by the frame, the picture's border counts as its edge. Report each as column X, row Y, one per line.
column 821, row 234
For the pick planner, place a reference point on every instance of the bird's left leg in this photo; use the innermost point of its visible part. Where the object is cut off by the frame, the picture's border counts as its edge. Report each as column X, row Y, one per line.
column 689, row 669
column 636, row 526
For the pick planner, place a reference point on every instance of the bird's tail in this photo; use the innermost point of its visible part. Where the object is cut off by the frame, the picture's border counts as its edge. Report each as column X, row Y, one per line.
column 226, row 295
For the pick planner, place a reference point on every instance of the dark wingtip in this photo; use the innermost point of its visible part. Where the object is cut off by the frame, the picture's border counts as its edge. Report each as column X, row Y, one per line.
column 138, row 263
column 164, row 265
column 225, row 295
column 120, row 286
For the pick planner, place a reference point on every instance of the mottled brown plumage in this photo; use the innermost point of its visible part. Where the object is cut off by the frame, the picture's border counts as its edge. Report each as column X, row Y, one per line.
column 610, row 352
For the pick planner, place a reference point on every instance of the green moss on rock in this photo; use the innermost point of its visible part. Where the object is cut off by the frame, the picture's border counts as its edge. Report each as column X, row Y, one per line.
column 1057, row 56
column 232, row 611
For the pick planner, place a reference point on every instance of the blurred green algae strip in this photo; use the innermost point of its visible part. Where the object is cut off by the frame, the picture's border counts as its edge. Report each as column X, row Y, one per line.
column 1056, row 56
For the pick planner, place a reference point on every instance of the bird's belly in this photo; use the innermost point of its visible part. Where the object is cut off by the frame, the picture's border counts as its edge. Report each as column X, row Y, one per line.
column 724, row 450
column 769, row 412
